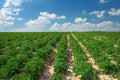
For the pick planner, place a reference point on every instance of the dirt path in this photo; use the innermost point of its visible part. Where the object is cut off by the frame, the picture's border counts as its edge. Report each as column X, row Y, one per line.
column 102, row 75
column 49, row 67
column 70, row 75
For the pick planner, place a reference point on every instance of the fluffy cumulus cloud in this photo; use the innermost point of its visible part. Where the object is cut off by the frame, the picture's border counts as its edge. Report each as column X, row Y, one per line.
column 103, row 1
column 72, row 27
column 62, row 27
column 98, row 14
column 10, row 11
column 62, row 17
column 80, row 20
column 6, row 23
column 41, row 23
column 85, row 26
column 13, row 3
column 51, row 16
column 38, row 24
column 105, row 24
column 114, row 12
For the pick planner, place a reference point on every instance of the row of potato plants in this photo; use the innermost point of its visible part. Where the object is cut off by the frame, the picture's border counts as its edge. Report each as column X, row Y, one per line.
column 34, row 66
column 22, row 66
column 42, row 53
column 80, row 64
column 14, row 39
column 9, row 41
column 18, row 42
column 112, row 46
column 60, row 59
column 27, row 48
column 96, row 48
column 110, row 43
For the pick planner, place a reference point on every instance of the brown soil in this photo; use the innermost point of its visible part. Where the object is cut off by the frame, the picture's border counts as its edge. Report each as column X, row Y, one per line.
column 70, row 75
column 49, row 68
column 90, row 59
column 106, row 77
column 101, row 75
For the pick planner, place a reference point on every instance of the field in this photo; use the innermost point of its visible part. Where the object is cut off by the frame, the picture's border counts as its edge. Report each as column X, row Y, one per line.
column 60, row 56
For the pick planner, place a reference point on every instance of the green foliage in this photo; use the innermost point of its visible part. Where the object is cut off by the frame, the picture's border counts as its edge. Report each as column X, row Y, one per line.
column 20, row 77
column 60, row 66
column 11, row 52
column 57, row 76
column 33, row 67
column 81, row 66
column 61, row 55
column 13, row 66
column 60, row 61
column 44, row 51
column 104, row 47
column 3, row 59
column 23, row 55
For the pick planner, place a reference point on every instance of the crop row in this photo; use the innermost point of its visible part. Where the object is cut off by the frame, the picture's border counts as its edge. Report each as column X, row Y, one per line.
column 28, row 62
column 109, row 43
column 80, row 64
column 97, row 48
column 18, row 39
column 23, row 55
column 28, row 49
column 60, row 59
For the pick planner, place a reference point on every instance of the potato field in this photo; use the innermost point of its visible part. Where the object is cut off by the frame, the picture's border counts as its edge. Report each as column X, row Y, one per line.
column 60, row 56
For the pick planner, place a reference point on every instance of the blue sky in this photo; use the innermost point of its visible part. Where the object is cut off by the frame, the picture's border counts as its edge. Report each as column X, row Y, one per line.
column 59, row 15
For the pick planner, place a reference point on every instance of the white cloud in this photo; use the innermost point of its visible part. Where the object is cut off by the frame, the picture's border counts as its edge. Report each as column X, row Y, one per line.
column 85, row 26
column 9, row 12
column 98, row 14
column 44, row 23
column 43, row 20
column 16, row 11
column 80, row 20
column 62, row 27
column 117, row 24
column 55, row 26
column 20, row 19
column 62, row 17
column 105, row 24
column 41, row 23
column 12, row 3
column 114, row 12
column 47, row 15
column 6, row 23
column 103, row 1
column 7, row 18
column 29, row 0
column 72, row 27
column 52, row 15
